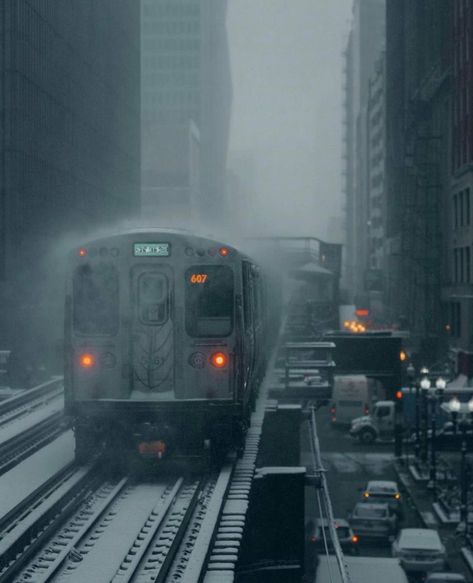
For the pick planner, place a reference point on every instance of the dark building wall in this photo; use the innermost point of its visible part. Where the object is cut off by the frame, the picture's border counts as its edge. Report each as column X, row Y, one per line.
column 457, row 291
column 417, row 111
column 69, row 145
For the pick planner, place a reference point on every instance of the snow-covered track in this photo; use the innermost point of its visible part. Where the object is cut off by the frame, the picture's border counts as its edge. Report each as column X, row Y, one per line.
column 27, row 527
column 118, row 530
column 30, row 398
column 20, row 446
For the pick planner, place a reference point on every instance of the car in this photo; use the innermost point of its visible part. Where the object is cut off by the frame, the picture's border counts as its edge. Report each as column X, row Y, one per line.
column 346, row 537
column 445, row 578
column 373, row 520
column 383, row 491
column 419, row 550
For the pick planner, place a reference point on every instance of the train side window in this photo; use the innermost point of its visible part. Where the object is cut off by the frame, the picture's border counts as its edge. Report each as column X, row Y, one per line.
column 209, row 301
column 95, row 300
column 152, row 298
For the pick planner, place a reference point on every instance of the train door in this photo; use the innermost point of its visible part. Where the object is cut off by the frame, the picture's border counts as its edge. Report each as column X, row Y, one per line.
column 152, row 332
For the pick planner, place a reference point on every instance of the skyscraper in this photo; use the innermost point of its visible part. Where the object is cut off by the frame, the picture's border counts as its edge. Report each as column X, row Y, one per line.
column 69, row 143
column 186, row 97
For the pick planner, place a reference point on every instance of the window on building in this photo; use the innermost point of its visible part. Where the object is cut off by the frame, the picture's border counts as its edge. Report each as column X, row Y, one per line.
column 467, row 206
column 455, row 211
column 461, row 208
column 467, row 265
column 455, row 265
column 462, row 264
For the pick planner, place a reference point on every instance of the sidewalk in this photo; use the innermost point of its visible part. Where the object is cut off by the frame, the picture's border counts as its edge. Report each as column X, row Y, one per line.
column 432, row 514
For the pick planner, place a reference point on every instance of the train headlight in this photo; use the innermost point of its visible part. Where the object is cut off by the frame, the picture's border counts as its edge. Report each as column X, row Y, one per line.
column 87, row 360
column 219, row 360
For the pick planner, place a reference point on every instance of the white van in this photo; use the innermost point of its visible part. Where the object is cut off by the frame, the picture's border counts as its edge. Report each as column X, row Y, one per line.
column 353, row 396
column 361, row 569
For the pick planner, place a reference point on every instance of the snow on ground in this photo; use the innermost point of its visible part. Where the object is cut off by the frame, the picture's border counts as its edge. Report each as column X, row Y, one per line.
column 22, row 424
column 24, row 478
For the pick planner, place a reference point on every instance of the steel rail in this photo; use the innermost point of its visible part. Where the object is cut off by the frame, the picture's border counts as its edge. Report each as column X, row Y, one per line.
column 29, row 395
column 35, row 520
column 20, row 446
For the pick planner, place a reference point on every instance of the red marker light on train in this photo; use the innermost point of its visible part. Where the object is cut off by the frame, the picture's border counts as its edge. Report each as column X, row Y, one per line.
column 218, row 360
column 82, row 252
column 223, row 251
column 87, row 360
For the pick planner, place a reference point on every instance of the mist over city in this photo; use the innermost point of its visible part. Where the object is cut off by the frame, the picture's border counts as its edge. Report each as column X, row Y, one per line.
column 236, row 298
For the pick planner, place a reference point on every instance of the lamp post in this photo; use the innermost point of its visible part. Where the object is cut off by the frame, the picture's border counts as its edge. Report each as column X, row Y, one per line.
column 455, row 407
column 425, row 386
column 440, row 385
column 411, row 375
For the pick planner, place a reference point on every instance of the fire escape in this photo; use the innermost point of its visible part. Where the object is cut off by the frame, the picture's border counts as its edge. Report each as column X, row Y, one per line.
column 420, row 266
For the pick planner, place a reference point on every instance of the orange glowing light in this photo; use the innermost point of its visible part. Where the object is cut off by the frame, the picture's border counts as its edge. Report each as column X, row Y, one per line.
column 362, row 312
column 82, row 252
column 87, row 360
column 223, row 251
column 218, row 359
column 354, row 538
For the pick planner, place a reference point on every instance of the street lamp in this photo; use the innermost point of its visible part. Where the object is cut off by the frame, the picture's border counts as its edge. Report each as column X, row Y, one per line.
column 455, row 407
column 411, row 375
column 425, row 386
column 440, row 385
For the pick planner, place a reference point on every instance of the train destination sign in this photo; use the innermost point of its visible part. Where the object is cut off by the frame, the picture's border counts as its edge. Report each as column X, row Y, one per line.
column 151, row 249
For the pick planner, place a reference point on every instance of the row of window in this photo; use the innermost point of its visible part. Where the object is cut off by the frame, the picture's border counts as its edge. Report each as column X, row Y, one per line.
column 181, row 44
column 462, row 265
column 171, row 62
column 180, row 79
column 174, row 98
column 184, row 27
column 208, row 303
column 184, row 9
column 461, row 208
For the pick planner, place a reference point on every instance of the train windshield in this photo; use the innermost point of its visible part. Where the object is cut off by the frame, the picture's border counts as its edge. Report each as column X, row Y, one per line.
column 209, row 300
column 95, row 300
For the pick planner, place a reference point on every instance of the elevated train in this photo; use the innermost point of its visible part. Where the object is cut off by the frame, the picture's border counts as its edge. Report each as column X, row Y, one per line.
column 165, row 344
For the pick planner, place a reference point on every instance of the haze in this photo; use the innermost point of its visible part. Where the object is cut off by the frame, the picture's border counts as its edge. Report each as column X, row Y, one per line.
column 286, row 114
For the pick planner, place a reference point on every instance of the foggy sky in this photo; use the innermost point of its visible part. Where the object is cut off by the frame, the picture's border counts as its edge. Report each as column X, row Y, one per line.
column 287, row 76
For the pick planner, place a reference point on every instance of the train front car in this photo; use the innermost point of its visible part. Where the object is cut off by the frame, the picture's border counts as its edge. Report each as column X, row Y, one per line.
column 163, row 339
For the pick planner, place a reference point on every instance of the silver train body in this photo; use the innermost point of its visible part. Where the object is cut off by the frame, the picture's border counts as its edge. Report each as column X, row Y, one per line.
column 164, row 344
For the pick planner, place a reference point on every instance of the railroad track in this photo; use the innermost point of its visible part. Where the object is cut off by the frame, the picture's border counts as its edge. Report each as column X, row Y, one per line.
column 84, row 527
column 20, row 446
column 27, row 401
column 30, row 421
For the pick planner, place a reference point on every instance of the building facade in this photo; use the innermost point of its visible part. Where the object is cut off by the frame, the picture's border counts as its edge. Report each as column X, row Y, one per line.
column 69, row 147
column 185, row 84
column 364, row 44
column 457, row 289
column 375, row 269
column 418, row 101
